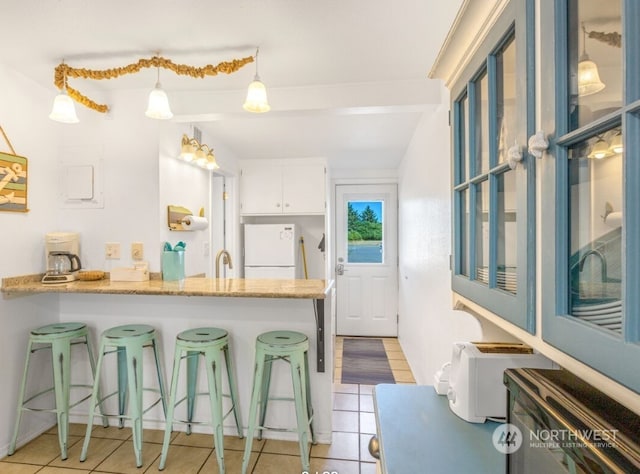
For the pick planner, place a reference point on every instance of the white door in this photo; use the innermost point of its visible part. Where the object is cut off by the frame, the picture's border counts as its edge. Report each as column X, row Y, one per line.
column 367, row 260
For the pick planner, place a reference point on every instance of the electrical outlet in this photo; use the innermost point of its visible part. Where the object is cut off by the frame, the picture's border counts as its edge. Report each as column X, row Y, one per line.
column 137, row 250
column 112, row 250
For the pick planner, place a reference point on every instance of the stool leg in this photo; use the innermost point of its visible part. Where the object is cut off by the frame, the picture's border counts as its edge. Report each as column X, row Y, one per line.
column 299, row 395
column 214, row 377
column 171, row 408
column 92, row 362
column 61, row 355
column 308, row 390
column 253, row 408
column 160, row 372
column 134, row 372
column 193, row 360
column 95, row 400
column 266, row 385
column 23, row 386
column 122, row 385
column 233, row 389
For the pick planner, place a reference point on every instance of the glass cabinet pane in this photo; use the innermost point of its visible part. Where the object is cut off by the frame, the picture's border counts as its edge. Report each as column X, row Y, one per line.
column 595, row 230
column 506, row 99
column 463, row 214
column 464, row 139
column 482, row 231
column 595, row 60
column 507, row 232
column 482, row 125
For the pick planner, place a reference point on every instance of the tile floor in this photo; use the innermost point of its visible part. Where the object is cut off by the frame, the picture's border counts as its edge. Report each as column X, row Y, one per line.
column 111, row 450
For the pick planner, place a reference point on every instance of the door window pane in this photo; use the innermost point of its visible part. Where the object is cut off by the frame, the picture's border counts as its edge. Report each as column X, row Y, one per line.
column 595, row 230
column 365, row 232
column 482, row 231
column 482, row 125
column 595, row 60
column 507, row 232
column 506, row 99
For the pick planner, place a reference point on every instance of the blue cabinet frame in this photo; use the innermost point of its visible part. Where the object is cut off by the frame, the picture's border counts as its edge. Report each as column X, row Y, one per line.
column 615, row 355
column 516, row 22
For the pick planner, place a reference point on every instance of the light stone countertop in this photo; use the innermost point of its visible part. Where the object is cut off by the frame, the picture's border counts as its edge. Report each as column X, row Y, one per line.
column 194, row 286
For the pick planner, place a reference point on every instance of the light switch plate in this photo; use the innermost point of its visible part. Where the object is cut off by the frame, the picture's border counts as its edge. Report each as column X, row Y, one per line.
column 137, row 250
column 112, row 250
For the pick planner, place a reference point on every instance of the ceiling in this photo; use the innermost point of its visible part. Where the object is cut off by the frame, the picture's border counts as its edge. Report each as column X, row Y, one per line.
column 346, row 79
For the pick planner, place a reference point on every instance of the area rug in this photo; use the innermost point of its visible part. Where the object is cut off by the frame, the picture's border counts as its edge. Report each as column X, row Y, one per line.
column 364, row 361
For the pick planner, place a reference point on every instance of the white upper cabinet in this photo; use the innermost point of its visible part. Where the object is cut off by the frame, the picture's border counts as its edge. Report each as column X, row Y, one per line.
column 275, row 188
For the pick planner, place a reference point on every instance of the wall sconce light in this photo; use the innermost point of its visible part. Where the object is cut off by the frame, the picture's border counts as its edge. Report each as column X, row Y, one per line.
column 616, row 145
column 600, row 150
column 197, row 154
column 588, row 77
column 158, row 101
column 256, row 94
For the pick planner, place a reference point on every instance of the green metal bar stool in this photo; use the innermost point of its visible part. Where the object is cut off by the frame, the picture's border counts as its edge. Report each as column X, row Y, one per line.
column 291, row 347
column 58, row 338
column 211, row 343
column 128, row 343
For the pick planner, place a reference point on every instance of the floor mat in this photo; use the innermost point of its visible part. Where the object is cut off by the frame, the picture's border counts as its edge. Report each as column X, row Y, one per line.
column 364, row 361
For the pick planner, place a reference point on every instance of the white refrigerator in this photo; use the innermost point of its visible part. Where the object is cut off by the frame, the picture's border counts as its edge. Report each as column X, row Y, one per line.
column 271, row 251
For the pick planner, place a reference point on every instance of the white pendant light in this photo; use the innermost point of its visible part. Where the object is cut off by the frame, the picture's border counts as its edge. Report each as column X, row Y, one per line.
column 63, row 110
column 256, row 94
column 158, row 107
column 588, row 77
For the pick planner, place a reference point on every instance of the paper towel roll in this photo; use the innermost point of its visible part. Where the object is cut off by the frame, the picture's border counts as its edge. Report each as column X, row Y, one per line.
column 614, row 219
column 194, row 223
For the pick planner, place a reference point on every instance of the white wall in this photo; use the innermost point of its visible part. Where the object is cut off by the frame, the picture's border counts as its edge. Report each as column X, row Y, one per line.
column 427, row 324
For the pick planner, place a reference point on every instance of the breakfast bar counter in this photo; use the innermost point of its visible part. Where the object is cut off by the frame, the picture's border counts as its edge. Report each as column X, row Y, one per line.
column 244, row 307
column 225, row 287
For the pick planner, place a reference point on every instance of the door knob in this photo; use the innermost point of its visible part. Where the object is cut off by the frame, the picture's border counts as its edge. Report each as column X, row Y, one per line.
column 340, row 269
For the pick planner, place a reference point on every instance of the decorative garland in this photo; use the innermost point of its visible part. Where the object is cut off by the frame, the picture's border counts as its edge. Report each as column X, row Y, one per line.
column 612, row 39
column 63, row 71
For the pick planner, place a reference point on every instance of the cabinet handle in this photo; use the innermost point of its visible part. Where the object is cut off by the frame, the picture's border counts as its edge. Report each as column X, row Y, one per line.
column 538, row 143
column 278, row 205
column 286, row 204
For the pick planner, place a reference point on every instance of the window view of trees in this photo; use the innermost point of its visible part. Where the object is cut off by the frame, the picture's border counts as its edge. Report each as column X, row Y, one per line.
column 364, row 229
column 363, row 225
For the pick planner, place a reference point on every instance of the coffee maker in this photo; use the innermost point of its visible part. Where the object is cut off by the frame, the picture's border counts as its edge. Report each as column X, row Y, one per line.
column 61, row 253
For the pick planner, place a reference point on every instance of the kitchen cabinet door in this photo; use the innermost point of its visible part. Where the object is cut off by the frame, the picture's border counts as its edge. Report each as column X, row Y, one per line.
column 591, row 186
column 277, row 189
column 303, row 189
column 261, row 190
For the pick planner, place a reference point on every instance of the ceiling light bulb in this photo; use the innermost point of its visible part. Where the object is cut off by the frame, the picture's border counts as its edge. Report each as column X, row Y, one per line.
column 63, row 109
column 588, row 77
column 616, row 143
column 256, row 100
column 211, row 161
column 201, row 157
column 158, row 107
column 600, row 150
column 187, row 149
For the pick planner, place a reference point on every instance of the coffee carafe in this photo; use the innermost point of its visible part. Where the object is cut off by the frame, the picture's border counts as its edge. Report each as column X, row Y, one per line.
column 63, row 262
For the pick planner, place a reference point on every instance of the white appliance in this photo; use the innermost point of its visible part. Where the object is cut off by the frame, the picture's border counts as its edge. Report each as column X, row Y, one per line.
column 476, row 388
column 271, row 251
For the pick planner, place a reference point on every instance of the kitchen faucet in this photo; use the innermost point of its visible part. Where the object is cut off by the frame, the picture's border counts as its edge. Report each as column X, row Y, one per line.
column 226, row 259
column 603, row 263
